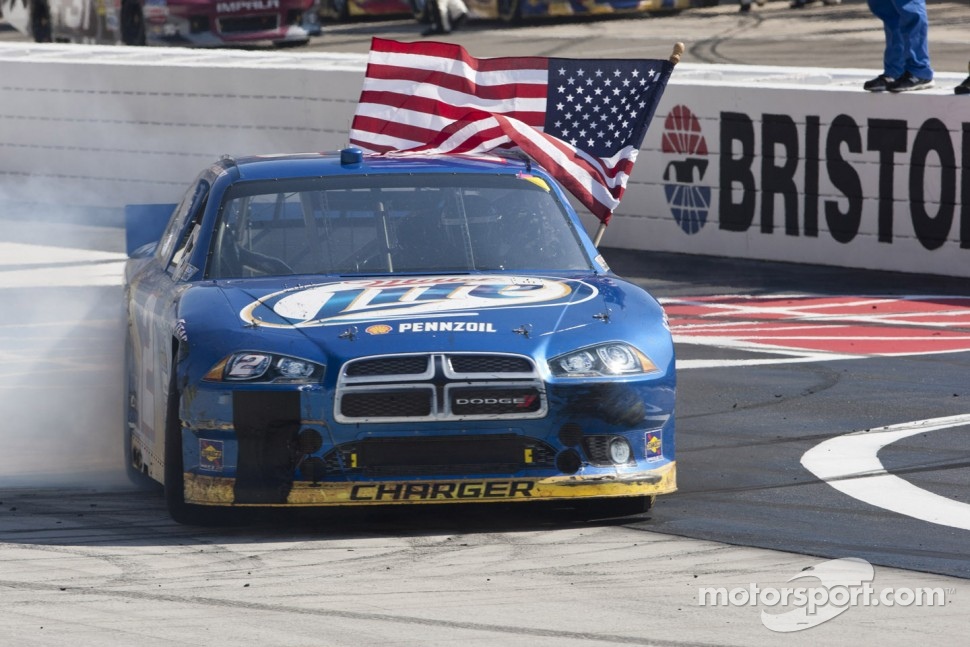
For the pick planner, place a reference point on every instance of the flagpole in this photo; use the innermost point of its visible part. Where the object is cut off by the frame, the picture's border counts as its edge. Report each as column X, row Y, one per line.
column 674, row 59
column 599, row 234
column 678, row 51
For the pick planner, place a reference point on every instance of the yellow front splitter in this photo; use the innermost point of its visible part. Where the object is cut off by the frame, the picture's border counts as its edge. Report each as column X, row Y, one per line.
column 213, row 490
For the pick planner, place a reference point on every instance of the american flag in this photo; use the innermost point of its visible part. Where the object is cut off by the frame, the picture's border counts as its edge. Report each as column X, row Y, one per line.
column 581, row 120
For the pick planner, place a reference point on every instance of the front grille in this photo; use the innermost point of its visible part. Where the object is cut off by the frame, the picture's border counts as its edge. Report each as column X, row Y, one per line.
column 383, row 366
column 433, row 386
column 407, row 403
column 479, row 454
column 489, row 364
column 248, row 24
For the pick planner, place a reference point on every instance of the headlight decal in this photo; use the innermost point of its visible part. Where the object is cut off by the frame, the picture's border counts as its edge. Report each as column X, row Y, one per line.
column 254, row 367
column 603, row 360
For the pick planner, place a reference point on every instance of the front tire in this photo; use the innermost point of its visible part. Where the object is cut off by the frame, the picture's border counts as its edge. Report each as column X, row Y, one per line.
column 287, row 44
column 180, row 511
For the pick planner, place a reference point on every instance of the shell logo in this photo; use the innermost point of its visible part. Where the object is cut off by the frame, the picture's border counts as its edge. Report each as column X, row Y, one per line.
column 378, row 329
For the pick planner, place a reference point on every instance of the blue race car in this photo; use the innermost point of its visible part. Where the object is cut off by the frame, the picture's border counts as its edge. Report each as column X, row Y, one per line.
column 350, row 330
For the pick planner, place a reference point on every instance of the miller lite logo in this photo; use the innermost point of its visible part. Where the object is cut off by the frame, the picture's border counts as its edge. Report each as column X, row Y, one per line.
column 385, row 299
column 686, row 149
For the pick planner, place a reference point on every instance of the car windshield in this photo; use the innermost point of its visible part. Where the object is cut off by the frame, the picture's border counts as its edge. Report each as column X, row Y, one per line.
column 374, row 224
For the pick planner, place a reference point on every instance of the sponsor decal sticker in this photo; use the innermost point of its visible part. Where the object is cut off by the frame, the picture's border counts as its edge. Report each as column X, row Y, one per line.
column 408, row 298
column 686, row 149
column 378, row 329
column 538, row 181
column 210, row 455
column 234, row 6
column 442, row 490
column 654, row 446
column 447, row 326
column 476, row 401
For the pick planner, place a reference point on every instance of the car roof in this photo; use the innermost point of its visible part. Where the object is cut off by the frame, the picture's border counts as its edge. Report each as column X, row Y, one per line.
column 295, row 165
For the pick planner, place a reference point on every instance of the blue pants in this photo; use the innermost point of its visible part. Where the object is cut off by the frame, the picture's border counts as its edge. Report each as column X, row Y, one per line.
column 907, row 49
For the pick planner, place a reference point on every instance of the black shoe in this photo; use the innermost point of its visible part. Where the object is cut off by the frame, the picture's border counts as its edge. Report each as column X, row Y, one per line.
column 798, row 4
column 908, row 82
column 879, row 84
column 433, row 30
column 963, row 88
column 459, row 21
column 745, row 8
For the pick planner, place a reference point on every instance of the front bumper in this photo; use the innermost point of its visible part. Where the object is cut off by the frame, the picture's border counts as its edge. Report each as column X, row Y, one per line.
column 221, row 491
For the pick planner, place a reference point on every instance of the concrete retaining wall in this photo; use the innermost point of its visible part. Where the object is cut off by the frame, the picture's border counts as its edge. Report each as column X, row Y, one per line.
column 755, row 162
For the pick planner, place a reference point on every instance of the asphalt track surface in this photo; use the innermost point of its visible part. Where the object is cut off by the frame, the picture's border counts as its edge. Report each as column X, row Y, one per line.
column 761, row 382
column 780, row 367
column 773, row 361
column 840, row 36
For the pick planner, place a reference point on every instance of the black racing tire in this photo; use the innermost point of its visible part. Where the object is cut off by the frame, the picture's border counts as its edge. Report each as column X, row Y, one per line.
column 132, row 23
column 180, row 511
column 510, row 11
column 40, row 22
column 287, row 44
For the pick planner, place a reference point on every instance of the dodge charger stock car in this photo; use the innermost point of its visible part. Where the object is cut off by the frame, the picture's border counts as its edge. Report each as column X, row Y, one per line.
column 344, row 329
column 192, row 23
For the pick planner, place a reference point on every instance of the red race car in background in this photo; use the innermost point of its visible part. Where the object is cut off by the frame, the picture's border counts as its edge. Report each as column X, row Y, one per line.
column 194, row 23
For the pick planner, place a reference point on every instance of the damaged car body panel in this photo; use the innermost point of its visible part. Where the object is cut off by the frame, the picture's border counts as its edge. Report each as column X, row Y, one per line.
column 347, row 330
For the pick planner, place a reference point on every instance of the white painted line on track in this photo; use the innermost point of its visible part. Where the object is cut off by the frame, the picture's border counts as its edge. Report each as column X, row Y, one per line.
column 851, row 465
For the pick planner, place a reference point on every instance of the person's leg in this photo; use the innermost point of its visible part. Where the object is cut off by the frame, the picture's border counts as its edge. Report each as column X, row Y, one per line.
column 457, row 13
column 894, row 57
column 913, row 27
column 439, row 18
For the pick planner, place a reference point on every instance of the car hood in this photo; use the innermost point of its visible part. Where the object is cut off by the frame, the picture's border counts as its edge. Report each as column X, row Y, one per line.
column 349, row 317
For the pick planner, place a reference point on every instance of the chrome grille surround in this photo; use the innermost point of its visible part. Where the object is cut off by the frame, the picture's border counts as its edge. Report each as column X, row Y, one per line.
column 505, row 387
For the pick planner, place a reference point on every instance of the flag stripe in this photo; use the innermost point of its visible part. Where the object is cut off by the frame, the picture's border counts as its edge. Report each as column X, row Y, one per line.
column 500, row 89
column 435, row 108
column 450, row 52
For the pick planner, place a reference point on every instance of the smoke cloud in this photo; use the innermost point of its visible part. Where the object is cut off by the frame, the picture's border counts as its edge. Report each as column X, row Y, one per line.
column 61, row 349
